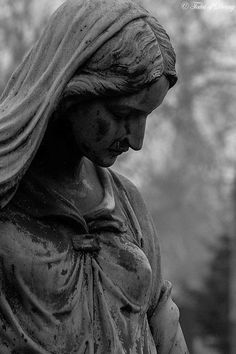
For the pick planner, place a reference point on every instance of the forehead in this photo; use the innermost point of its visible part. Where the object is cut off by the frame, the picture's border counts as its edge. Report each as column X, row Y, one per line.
column 148, row 98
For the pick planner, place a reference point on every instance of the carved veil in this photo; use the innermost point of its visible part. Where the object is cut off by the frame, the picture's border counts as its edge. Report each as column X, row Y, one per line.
column 74, row 33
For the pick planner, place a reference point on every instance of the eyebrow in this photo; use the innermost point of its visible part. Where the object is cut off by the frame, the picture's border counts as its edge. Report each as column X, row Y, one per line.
column 127, row 107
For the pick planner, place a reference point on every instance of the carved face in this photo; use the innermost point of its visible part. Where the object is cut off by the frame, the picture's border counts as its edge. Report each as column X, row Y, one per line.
column 104, row 128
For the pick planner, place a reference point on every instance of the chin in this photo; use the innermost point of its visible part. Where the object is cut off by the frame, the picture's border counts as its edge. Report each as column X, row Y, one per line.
column 104, row 162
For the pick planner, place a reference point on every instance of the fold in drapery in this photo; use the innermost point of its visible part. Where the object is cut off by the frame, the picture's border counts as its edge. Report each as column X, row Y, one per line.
column 119, row 282
column 76, row 31
column 93, row 299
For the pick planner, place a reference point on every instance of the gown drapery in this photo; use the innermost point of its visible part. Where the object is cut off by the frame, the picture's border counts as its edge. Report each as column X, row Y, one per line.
column 78, row 284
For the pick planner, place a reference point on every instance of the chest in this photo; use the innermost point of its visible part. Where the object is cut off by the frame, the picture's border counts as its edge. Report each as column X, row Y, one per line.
column 41, row 257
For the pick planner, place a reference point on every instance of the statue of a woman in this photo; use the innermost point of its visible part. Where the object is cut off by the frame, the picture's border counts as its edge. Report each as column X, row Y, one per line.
column 79, row 256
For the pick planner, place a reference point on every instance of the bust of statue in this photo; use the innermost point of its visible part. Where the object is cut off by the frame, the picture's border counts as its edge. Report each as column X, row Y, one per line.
column 80, row 259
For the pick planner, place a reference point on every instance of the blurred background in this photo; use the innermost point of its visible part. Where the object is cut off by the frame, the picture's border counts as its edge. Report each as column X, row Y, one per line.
column 186, row 171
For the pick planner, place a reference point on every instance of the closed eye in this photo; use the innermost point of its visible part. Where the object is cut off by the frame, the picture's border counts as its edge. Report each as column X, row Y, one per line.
column 119, row 113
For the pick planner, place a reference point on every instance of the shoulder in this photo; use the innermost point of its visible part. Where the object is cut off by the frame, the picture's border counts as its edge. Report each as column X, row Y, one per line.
column 130, row 189
column 150, row 244
column 138, row 205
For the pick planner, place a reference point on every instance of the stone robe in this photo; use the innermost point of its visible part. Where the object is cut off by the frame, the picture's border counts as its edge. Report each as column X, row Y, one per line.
column 80, row 284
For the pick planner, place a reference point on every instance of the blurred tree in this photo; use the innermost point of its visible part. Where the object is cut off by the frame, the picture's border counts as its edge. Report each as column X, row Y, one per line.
column 211, row 305
column 16, row 32
column 233, row 277
column 21, row 22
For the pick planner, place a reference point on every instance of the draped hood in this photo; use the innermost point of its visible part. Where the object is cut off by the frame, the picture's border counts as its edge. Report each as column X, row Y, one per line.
column 73, row 34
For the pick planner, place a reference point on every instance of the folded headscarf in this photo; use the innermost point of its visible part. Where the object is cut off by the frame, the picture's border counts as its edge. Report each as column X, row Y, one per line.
column 73, row 35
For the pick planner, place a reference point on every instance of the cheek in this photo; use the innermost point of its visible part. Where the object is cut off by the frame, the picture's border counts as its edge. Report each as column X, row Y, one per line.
column 86, row 148
column 96, row 135
column 103, row 128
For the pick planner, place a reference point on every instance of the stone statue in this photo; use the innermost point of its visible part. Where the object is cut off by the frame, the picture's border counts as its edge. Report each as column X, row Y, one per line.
column 79, row 256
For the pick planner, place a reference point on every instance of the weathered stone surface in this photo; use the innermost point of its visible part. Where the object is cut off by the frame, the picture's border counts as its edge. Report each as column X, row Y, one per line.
column 80, row 259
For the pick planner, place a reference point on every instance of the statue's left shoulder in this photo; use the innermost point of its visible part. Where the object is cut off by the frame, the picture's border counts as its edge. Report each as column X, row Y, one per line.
column 132, row 192
column 149, row 234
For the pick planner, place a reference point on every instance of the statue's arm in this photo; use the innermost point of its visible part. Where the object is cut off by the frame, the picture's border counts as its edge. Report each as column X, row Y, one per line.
column 165, row 326
column 163, row 314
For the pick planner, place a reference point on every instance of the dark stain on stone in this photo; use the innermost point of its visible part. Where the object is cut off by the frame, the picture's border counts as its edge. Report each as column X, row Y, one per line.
column 126, row 310
column 62, row 315
column 141, row 242
column 23, row 337
column 127, row 260
column 23, row 350
column 103, row 128
column 64, row 272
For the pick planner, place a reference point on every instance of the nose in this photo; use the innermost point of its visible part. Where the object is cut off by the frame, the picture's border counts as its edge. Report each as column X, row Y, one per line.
column 135, row 131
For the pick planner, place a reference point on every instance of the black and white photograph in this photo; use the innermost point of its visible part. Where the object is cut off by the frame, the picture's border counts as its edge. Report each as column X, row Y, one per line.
column 117, row 177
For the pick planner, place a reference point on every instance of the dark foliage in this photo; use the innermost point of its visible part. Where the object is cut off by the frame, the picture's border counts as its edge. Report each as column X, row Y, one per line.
column 212, row 303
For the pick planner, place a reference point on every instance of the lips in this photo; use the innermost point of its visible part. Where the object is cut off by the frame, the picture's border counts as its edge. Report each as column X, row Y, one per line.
column 118, row 152
column 118, row 148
